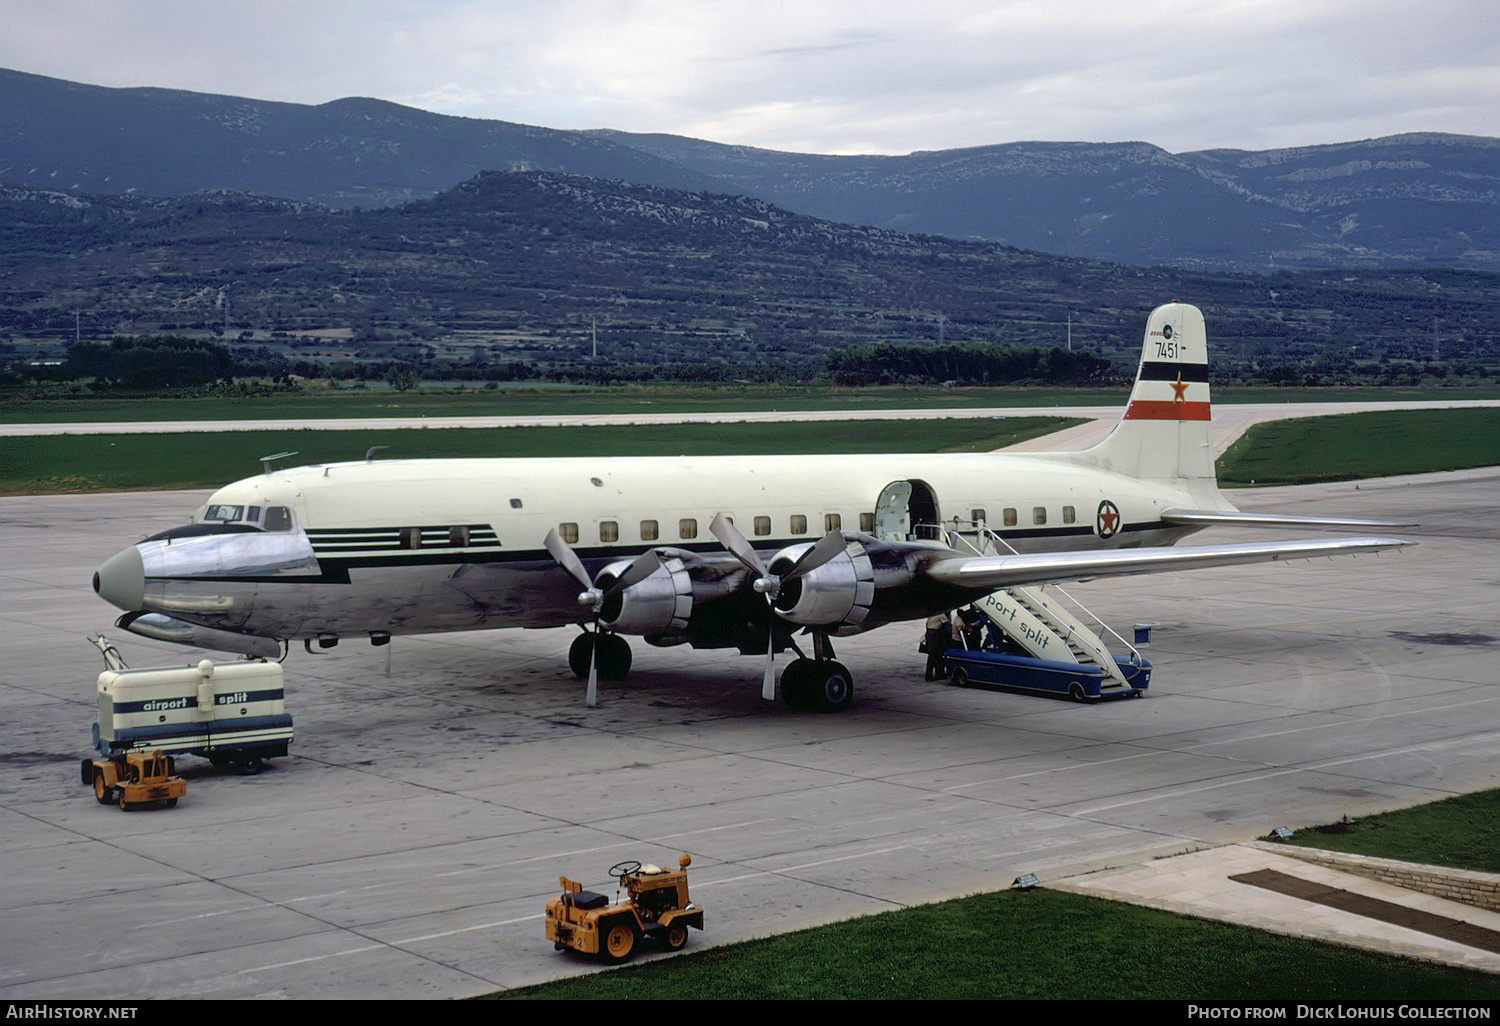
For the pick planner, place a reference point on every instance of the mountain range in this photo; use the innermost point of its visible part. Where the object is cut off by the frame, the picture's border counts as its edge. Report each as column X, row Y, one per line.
column 1404, row 201
column 532, row 267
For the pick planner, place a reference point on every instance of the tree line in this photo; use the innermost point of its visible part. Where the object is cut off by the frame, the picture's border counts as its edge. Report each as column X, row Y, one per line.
column 965, row 364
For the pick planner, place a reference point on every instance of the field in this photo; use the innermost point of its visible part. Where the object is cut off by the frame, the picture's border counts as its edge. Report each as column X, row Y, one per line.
column 544, row 400
column 1360, row 445
column 1461, row 832
column 1334, row 448
column 48, row 464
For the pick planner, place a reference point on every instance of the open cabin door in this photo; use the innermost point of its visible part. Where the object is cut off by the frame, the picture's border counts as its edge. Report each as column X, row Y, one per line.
column 907, row 511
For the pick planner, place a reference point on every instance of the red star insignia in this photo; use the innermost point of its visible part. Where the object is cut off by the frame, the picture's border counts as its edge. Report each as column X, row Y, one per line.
column 1179, row 389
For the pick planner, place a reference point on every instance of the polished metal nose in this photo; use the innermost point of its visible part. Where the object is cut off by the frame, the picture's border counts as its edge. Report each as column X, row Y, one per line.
column 121, row 581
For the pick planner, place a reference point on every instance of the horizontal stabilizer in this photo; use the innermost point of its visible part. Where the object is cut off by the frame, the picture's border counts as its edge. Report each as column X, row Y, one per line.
column 1234, row 518
column 986, row 573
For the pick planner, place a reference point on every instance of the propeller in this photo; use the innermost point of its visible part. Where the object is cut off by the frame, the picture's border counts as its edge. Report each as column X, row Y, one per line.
column 769, row 584
column 642, row 567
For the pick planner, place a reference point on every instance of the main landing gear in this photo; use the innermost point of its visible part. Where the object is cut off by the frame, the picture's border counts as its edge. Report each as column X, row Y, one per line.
column 613, row 658
column 819, row 684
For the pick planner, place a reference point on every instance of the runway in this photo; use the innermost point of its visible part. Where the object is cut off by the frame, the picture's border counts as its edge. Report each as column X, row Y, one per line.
column 407, row 847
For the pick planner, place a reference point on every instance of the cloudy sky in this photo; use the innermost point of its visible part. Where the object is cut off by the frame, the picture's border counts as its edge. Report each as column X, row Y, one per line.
column 825, row 76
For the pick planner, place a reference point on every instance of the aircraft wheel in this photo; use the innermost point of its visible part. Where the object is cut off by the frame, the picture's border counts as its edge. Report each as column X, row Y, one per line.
column 579, row 654
column 675, row 937
column 833, row 687
column 619, row 941
column 614, row 657
column 960, row 678
column 795, row 681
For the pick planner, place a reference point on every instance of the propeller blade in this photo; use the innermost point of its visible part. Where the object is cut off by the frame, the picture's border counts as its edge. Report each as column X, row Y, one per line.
column 828, row 547
column 567, row 559
column 591, row 696
column 730, row 537
column 768, row 686
column 644, row 565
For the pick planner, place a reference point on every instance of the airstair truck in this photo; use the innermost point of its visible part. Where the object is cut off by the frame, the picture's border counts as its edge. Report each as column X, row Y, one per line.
column 233, row 714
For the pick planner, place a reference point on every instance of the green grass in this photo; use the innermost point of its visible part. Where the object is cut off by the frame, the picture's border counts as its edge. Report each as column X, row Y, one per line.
column 1359, row 445
column 324, row 404
column 1461, row 833
column 87, row 463
column 1036, row 944
column 319, row 404
column 1336, row 448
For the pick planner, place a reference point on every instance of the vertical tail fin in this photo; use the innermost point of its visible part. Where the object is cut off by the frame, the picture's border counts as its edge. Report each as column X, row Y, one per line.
column 1164, row 433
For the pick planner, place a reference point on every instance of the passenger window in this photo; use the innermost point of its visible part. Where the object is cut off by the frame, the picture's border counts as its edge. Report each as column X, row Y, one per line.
column 609, row 530
column 687, row 528
column 278, row 518
column 762, row 526
column 569, row 533
column 867, row 522
column 458, row 537
column 1039, row 514
column 799, row 523
column 977, row 515
column 515, row 503
column 649, row 530
column 831, row 521
column 1008, row 516
column 1070, row 516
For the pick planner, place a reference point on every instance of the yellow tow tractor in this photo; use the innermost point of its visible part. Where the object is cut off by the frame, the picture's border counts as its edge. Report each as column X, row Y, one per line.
column 656, row 906
column 134, row 779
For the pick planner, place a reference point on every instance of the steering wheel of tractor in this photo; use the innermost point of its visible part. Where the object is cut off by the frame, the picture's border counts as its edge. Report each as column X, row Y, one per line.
column 621, row 869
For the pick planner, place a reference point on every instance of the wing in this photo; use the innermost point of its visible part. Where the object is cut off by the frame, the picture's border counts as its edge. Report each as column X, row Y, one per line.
column 987, row 573
column 1234, row 518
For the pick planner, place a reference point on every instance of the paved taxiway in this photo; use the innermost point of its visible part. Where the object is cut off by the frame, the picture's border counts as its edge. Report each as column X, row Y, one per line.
column 407, row 847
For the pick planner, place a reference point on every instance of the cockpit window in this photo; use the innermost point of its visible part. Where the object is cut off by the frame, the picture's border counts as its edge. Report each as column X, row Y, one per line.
column 220, row 513
column 278, row 518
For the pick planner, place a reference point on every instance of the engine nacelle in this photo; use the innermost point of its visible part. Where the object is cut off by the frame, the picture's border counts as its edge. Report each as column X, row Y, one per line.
column 840, row 592
column 160, row 627
column 660, row 604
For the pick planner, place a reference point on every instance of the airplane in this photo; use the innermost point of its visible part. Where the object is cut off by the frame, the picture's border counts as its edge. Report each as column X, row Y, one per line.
column 716, row 552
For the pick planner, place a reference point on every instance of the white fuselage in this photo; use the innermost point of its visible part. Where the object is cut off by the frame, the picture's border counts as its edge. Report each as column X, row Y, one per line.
column 431, row 545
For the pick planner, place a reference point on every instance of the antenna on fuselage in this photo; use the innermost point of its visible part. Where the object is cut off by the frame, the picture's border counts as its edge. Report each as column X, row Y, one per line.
column 265, row 461
column 372, row 450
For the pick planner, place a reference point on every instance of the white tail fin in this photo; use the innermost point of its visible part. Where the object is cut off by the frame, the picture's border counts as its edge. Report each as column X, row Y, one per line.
column 1164, row 434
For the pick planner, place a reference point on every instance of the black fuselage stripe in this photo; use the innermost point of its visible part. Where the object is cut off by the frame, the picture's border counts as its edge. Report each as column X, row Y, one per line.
column 1152, row 370
column 335, row 568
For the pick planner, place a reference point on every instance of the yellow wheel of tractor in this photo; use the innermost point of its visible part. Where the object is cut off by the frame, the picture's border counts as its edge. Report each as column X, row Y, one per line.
column 619, row 940
column 675, row 937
